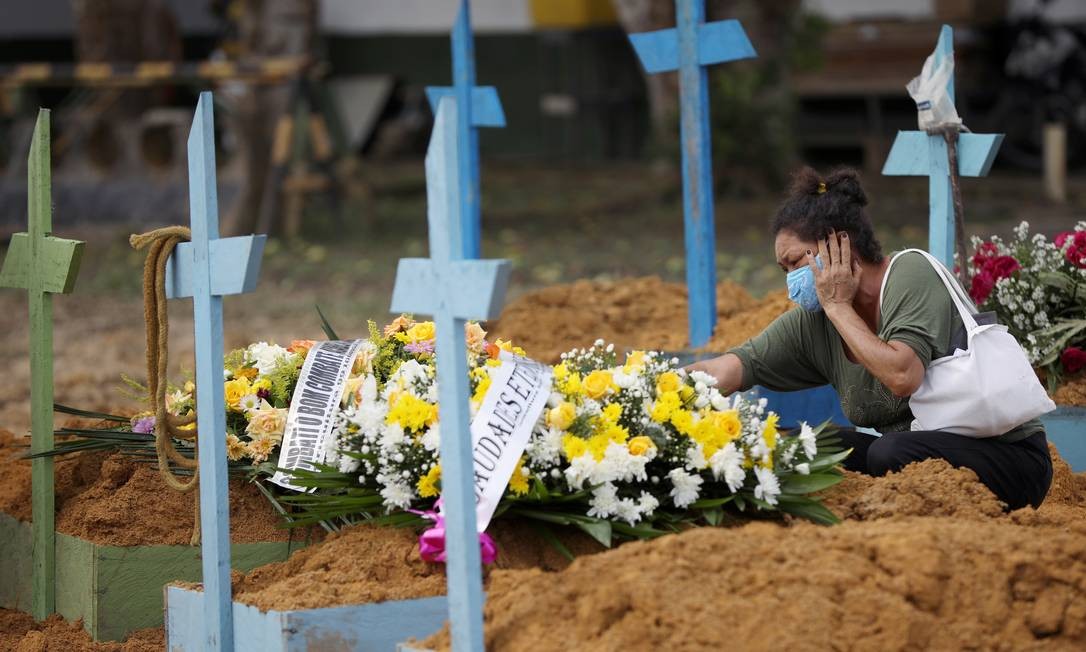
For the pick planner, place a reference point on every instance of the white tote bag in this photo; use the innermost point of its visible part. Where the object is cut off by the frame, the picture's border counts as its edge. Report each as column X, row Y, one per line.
column 985, row 391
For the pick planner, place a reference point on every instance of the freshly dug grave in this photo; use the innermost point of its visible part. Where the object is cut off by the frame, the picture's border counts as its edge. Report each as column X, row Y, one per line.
column 19, row 633
column 366, row 563
column 925, row 559
column 1072, row 391
column 637, row 313
column 109, row 499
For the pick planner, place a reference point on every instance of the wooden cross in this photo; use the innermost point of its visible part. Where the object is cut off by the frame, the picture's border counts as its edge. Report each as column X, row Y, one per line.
column 690, row 48
column 917, row 153
column 206, row 269
column 453, row 289
column 479, row 106
column 43, row 265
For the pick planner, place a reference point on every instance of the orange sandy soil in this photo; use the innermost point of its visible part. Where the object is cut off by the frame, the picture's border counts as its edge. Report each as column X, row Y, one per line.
column 19, row 633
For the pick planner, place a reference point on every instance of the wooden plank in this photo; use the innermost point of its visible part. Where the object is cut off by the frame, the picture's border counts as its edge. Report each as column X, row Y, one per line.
column 236, row 260
column 1066, row 428
column 16, row 551
column 379, row 626
column 77, row 581
column 486, row 106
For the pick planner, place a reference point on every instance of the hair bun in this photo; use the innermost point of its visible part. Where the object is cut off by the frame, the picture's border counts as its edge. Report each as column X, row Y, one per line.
column 806, row 181
column 846, row 181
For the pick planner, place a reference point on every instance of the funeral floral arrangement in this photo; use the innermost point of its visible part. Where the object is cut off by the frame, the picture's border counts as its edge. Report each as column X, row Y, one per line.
column 623, row 446
column 1038, row 289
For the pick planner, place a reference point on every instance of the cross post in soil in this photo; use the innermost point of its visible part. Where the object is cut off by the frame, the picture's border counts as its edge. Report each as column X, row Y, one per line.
column 478, row 106
column 43, row 265
column 206, row 269
column 690, row 48
column 453, row 289
column 917, row 153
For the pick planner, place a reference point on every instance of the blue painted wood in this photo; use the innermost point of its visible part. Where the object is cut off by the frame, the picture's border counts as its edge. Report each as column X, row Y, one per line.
column 915, row 153
column 486, row 106
column 688, row 48
column 453, row 290
column 207, row 269
column 237, row 265
column 814, row 406
column 1066, row 429
column 380, row 626
column 478, row 107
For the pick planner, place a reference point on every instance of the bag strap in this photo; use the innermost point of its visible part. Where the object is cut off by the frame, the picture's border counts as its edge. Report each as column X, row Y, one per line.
column 961, row 300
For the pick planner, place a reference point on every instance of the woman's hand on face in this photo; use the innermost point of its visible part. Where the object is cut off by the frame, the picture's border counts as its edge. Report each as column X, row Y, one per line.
column 838, row 280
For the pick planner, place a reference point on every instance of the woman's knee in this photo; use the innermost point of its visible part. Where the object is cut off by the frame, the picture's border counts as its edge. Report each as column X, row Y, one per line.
column 891, row 453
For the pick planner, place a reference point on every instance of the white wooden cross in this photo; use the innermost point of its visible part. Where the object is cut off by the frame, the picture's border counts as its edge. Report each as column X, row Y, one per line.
column 453, row 290
column 917, row 153
column 206, row 269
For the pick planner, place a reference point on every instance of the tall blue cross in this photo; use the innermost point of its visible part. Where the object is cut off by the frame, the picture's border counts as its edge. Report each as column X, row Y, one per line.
column 917, row 153
column 479, row 106
column 453, row 289
column 206, row 269
column 689, row 48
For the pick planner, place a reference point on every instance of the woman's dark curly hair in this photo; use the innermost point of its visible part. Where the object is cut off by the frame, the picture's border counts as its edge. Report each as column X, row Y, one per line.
column 817, row 205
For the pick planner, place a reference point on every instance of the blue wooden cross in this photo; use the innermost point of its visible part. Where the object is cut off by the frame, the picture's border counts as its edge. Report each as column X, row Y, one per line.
column 43, row 265
column 206, row 269
column 453, row 289
column 479, row 106
column 690, row 48
column 917, row 153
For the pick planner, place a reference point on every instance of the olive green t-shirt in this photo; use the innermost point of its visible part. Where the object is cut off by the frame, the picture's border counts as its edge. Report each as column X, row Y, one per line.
column 803, row 349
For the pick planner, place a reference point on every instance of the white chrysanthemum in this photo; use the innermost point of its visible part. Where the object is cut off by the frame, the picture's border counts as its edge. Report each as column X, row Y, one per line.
column 370, row 412
column 727, row 462
column 395, row 492
column 265, row 356
column 392, row 435
column 579, row 469
column 807, row 439
column 554, row 400
column 685, row 487
column 769, row 487
column 647, row 503
column 619, row 465
column 622, row 379
column 695, row 458
column 545, row 447
column 702, row 377
column 604, row 501
column 718, row 400
column 347, row 464
column 431, row 439
column 803, row 469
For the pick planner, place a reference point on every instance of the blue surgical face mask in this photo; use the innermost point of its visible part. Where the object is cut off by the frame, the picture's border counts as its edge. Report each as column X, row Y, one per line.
column 801, row 287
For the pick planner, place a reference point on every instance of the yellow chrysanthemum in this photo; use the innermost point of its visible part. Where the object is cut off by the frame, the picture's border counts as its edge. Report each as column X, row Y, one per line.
column 597, row 445
column 518, row 483
column 612, row 413
column 634, row 361
column 683, row 420
column 263, row 383
column 686, row 392
column 616, row 433
column 573, row 446
column 412, row 413
column 427, row 484
column 480, row 375
column 235, row 389
column 665, row 406
column 715, row 430
column 769, row 433
column 561, row 371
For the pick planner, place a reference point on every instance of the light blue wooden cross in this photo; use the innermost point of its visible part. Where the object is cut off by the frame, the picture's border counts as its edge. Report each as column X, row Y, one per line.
column 43, row 265
column 206, row 269
column 690, row 48
column 453, row 289
column 479, row 106
column 916, row 153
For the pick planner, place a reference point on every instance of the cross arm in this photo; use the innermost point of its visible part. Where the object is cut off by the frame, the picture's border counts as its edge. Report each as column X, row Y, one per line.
column 235, row 266
column 469, row 289
column 718, row 42
column 58, row 264
column 486, row 106
column 911, row 154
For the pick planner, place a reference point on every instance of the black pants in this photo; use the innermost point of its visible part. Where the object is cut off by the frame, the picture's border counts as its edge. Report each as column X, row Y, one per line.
column 1018, row 473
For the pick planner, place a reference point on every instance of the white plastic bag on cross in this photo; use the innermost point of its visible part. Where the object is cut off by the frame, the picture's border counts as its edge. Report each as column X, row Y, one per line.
column 934, row 107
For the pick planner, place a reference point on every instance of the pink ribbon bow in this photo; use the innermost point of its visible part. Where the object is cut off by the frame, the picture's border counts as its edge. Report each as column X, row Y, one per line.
column 432, row 541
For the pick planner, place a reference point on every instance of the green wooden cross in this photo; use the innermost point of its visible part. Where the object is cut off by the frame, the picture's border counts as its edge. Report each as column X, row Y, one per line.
column 42, row 265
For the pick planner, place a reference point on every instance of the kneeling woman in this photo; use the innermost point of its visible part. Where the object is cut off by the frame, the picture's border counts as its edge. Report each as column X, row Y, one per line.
column 874, row 355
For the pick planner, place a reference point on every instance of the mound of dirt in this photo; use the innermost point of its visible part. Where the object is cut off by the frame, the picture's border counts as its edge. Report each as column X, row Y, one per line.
column 910, row 583
column 637, row 313
column 19, row 633
column 112, row 500
column 1072, row 391
column 367, row 563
